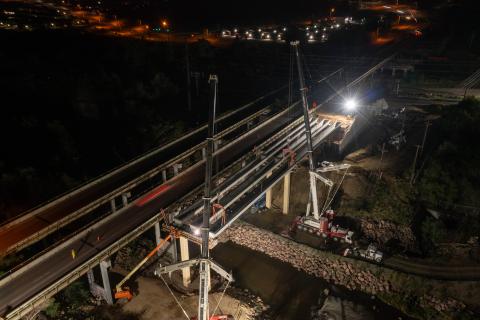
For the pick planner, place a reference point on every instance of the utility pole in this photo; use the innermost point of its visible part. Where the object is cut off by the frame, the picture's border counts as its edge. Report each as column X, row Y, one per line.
column 196, row 75
column 425, row 135
column 308, row 134
column 414, row 164
column 189, row 94
column 383, row 151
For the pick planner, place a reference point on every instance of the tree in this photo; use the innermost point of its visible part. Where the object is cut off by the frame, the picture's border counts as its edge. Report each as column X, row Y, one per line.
column 53, row 308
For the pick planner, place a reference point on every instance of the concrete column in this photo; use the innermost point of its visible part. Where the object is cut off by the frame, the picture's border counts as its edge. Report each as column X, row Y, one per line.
column 268, row 195
column 164, row 175
column 91, row 280
column 244, row 163
column 104, row 265
column 286, row 193
column 204, row 153
column 173, row 250
column 112, row 205
column 125, row 197
column 176, row 167
column 184, row 255
column 95, row 289
column 158, row 237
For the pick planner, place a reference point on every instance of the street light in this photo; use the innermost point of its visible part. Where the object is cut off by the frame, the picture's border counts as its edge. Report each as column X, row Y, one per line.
column 351, row 104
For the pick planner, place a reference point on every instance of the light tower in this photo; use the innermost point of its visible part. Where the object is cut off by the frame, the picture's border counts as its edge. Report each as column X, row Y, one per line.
column 204, row 261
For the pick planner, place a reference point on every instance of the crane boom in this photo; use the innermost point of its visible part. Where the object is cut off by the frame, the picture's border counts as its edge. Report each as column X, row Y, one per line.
column 118, row 288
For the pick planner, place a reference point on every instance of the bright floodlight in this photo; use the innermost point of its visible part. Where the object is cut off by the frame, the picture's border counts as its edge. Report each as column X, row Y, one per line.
column 350, row 104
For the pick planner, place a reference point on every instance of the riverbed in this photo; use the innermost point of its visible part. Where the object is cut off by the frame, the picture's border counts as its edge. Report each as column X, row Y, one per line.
column 291, row 293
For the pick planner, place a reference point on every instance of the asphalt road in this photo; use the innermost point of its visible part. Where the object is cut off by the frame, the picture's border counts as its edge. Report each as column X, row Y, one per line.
column 33, row 280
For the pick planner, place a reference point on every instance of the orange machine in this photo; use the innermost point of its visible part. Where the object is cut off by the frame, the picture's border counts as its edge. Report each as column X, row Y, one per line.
column 124, row 292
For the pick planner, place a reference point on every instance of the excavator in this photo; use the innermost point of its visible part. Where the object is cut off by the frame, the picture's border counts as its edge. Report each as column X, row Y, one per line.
column 124, row 292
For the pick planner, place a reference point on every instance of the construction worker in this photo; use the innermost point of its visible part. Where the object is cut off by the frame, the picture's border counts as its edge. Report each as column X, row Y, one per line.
column 74, row 254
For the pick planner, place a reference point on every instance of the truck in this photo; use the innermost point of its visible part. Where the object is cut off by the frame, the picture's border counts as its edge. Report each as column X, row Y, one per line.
column 371, row 253
column 323, row 227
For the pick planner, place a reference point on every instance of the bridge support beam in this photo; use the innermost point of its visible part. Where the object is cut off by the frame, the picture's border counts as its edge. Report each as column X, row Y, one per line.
column 104, row 265
column 184, row 255
column 176, row 168
column 125, row 197
column 158, row 238
column 268, row 195
column 104, row 292
column 173, row 250
column 164, row 175
column 113, row 207
column 286, row 193
column 204, row 153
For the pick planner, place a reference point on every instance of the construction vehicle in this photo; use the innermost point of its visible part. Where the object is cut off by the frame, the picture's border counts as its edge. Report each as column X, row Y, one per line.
column 371, row 253
column 320, row 223
column 124, row 292
column 322, row 227
column 398, row 139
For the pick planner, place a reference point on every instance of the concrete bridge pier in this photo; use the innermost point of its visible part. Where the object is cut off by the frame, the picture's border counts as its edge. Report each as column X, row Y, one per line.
column 216, row 144
column 286, row 193
column 104, row 292
column 125, row 197
column 268, row 194
column 184, row 255
column 176, row 168
column 158, row 239
column 164, row 175
column 113, row 206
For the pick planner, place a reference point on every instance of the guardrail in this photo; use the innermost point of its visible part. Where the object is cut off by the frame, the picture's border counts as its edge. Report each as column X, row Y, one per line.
column 41, row 297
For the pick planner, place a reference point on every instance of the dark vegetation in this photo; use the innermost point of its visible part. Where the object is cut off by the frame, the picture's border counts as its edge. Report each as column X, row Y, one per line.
column 455, row 24
column 83, row 104
column 450, row 181
column 447, row 182
column 75, row 302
